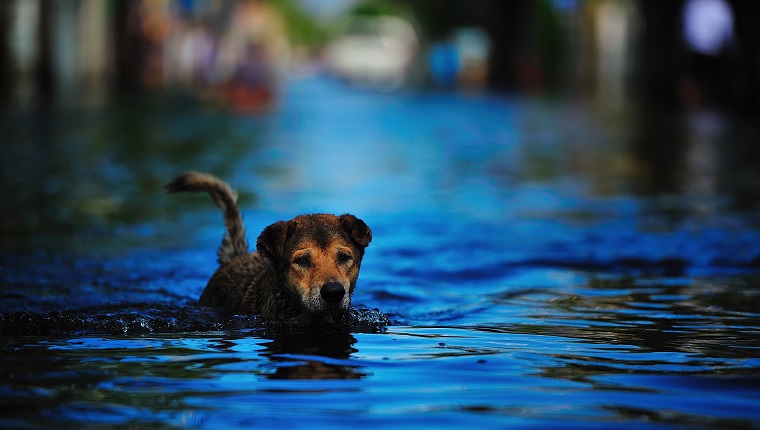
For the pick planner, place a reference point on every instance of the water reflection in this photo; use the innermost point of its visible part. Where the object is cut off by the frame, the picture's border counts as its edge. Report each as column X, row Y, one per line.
column 312, row 356
column 657, row 318
column 78, row 176
column 693, row 162
column 286, row 354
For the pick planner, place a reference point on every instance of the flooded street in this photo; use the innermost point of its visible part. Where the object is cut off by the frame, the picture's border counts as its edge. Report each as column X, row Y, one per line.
column 543, row 263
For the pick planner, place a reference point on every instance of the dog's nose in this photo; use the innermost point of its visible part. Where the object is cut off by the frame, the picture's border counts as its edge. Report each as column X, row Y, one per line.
column 332, row 292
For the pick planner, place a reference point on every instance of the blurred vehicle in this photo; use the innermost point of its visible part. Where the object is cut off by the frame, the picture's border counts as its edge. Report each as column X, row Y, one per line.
column 376, row 52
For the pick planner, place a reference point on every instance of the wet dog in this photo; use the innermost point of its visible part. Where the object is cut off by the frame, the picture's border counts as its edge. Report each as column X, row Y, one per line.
column 303, row 268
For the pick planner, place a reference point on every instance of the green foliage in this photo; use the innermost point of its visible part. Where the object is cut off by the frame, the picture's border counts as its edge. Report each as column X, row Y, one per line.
column 302, row 28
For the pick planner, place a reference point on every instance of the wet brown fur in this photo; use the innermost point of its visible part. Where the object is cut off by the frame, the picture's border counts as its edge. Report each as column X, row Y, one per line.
column 293, row 262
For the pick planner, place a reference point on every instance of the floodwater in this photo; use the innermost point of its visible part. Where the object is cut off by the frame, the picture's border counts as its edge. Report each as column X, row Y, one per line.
column 543, row 264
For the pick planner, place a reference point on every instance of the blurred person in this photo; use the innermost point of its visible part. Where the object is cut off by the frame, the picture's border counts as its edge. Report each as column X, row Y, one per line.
column 474, row 47
column 443, row 64
column 462, row 62
column 253, row 55
column 251, row 87
column 155, row 24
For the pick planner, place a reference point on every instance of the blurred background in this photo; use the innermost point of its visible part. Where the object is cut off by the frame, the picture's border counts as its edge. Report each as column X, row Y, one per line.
column 679, row 53
column 298, row 102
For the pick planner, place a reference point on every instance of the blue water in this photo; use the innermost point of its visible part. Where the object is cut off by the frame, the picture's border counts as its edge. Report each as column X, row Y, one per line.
column 546, row 264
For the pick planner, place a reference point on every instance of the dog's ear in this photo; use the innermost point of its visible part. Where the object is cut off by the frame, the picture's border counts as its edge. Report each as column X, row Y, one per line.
column 271, row 241
column 358, row 230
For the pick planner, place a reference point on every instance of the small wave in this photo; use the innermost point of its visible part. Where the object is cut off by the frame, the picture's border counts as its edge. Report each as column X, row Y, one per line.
column 159, row 318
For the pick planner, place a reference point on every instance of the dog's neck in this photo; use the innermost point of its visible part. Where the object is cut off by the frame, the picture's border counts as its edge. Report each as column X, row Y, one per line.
column 273, row 298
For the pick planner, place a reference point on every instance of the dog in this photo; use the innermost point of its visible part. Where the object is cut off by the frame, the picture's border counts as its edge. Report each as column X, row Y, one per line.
column 301, row 269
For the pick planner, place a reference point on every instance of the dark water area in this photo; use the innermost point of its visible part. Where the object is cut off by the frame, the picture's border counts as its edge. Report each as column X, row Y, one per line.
column 542, row 264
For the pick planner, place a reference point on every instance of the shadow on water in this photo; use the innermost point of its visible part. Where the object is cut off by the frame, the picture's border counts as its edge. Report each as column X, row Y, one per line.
column 544, row 264
column 306, row 356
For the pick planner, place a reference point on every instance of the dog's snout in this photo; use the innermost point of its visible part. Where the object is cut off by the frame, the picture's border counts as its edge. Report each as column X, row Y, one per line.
column 332, row 292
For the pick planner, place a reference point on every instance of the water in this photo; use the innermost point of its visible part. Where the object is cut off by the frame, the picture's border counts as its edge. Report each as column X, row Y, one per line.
column 544, row 265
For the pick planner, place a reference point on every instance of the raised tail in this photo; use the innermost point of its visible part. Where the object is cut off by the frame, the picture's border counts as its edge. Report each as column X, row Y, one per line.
column 234, row 242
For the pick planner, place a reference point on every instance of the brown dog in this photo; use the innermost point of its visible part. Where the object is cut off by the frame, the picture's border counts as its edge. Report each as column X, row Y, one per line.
column 301, row 268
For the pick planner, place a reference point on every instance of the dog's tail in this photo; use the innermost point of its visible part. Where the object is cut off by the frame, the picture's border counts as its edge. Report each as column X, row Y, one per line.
column 234, row 242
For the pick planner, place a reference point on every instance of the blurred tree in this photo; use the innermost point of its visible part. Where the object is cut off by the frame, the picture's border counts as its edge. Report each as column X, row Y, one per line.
column 44, row 70
column 378, row 7
column 5, row 58
column 129, row 47
column 746, row 88
column 302, row 29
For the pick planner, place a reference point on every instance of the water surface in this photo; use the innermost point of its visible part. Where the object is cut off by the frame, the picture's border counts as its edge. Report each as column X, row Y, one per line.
column 545, row 264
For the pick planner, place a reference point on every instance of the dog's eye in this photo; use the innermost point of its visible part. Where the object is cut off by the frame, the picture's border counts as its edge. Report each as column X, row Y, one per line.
column 303, row 261
column 344, row 258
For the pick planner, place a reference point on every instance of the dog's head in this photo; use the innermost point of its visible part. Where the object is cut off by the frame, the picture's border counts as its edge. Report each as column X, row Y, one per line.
column 317, row 257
